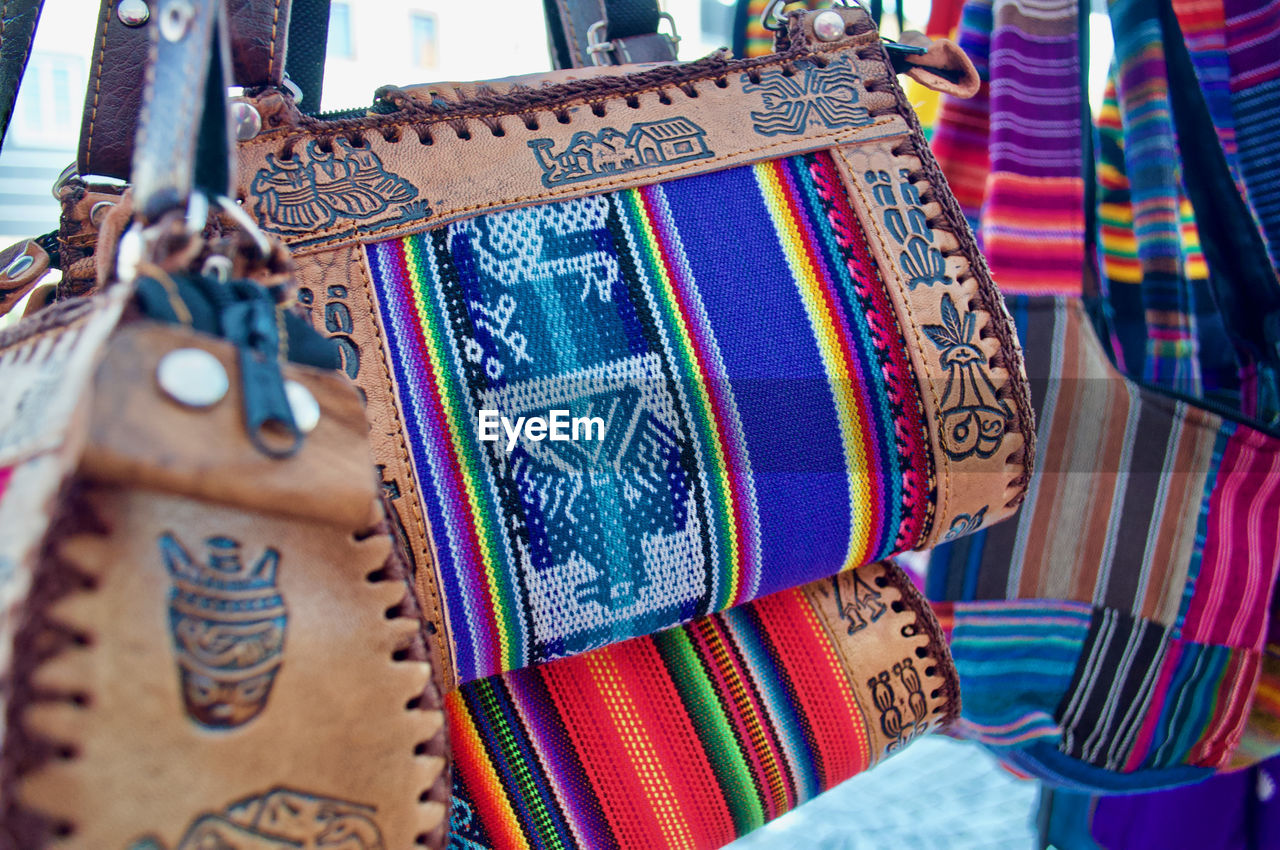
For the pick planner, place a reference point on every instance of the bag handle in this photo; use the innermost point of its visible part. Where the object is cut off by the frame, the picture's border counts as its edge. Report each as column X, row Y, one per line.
column 1242, row 279
column 259, row 35
column 582, row 33
column 17, row 33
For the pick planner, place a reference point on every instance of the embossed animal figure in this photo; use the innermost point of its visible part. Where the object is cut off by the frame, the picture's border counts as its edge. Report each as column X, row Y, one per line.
column 821, row 97
column 227, row 621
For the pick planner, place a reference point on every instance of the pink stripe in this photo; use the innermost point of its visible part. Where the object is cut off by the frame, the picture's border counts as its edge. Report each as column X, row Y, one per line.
column 1242, row 546
column 1159, row 696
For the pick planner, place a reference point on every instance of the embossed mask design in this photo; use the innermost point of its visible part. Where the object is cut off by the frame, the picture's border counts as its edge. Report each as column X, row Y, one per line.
column 227, row 621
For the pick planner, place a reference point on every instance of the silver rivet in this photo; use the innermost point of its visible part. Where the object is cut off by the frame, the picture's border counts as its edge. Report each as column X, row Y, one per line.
column 247, row 120
column 133, row 13
column 193, row 377
column 18, row 266
column 175, row 19
column 99, row 211
column 828, row 25
column 306, row 410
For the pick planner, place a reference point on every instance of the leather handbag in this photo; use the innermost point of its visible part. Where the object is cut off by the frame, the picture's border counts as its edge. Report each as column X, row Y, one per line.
column 750, row 270
column 807, row 388
column 195, row 556
column 812, row 372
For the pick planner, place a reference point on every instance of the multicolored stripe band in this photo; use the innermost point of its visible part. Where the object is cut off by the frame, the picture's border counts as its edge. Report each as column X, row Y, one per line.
column 762, row 422
column 687, row 738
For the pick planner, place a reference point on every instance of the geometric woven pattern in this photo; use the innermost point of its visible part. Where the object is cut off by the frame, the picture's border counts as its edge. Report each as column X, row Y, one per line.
column 729, row 468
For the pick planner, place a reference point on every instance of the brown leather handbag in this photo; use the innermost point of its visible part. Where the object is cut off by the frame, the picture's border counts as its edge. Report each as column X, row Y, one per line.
column 208, row 635
column 749, row 271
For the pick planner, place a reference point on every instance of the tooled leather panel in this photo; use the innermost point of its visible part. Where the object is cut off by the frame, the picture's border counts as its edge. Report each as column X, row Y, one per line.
column 961, row 338
column 334, row 287
column 324, row 183
column 883, row 629
column 193, row 671
column 318, row 183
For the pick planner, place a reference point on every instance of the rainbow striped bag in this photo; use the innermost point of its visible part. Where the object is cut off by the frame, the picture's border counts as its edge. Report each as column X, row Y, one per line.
column 742, row 285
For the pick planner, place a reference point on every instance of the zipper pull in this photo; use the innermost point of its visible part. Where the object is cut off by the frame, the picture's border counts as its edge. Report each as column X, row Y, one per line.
column 251, row 326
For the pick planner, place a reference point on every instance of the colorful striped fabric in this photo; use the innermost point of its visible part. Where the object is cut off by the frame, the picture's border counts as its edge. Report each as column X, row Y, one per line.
column 696, row 735
column 729, row 469
column 1013, row 153
column 1151, row 164
column 1157, row 518
column 1252, row 31
column 1187, row 350
column 960, row 139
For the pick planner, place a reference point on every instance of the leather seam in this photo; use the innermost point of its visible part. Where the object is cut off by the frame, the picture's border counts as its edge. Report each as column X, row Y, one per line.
column 570, row 36
column 927, row 625
column 275, row 27
column 652, row 176
column 97, row 81
column 415, row 503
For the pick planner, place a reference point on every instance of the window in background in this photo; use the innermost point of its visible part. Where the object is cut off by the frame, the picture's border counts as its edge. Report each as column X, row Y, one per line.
column 50, row 101
column 425, row 35
column 341, row 45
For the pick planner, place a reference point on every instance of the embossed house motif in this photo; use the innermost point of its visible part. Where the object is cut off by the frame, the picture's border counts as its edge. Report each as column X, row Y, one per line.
column 672, row 140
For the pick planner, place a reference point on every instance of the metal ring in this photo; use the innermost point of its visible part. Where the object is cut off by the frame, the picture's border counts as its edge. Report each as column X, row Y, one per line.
column 71, row 172
column 597, row 44
column 773, row 12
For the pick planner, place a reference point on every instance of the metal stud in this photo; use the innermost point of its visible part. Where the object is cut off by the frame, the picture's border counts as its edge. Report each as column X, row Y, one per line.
column 175, row 19
column 828, row 25
column 192, row 376
column 306, row 410
column 19, row 265
column 133, row 13
column 246, row 119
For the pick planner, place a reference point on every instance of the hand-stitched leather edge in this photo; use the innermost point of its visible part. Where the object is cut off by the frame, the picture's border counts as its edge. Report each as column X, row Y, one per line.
column 271, row 156
column 1009, row 358
column 913, row 157
column 37, row 640
column 879, row 629
column 418, row 648
column 938, row 649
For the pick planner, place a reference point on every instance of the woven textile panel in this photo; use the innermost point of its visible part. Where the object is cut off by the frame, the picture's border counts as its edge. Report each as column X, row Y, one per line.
column 729, row 468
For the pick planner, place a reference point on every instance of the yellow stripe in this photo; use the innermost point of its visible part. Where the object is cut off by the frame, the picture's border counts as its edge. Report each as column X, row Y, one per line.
column 469, row 749
column 622, row 710
column 838, row 377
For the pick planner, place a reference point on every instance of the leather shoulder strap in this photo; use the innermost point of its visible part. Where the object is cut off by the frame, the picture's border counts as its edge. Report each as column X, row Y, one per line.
column 617, row 32
column 260, row 32
column 18, row 20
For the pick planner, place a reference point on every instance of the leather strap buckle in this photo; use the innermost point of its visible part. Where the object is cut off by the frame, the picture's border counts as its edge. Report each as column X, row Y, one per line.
column 600, row 48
